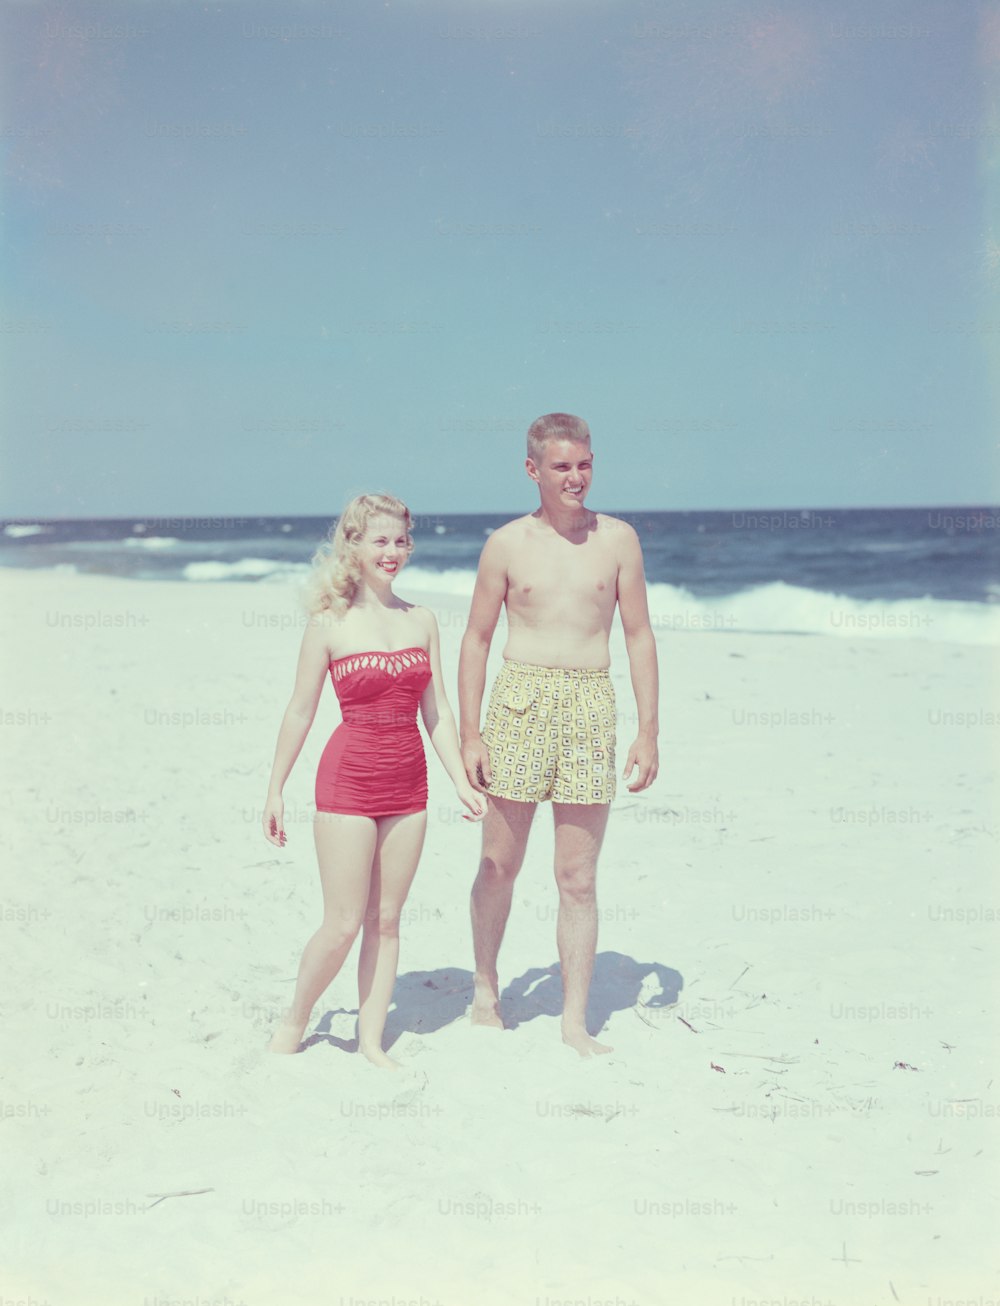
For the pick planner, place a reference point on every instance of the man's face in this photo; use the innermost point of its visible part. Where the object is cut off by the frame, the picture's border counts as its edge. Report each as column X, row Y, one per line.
column 565, row 473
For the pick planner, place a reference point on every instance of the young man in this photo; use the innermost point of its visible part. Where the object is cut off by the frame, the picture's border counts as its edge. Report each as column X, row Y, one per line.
column 550, row 726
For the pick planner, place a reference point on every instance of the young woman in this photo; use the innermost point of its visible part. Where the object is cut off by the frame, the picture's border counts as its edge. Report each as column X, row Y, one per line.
column 383, row 656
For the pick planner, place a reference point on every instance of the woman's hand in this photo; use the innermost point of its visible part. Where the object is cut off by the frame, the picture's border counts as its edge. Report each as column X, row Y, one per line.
column 274, row 821
column 476, row 803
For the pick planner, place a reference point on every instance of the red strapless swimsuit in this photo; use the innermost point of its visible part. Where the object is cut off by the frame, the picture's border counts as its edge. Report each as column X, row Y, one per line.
column 374, row 764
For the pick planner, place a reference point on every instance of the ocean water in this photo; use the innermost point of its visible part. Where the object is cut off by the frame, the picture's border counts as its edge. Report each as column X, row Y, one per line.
column 923, row 573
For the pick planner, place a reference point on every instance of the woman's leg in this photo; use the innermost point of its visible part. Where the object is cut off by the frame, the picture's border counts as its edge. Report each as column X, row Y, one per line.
column 400, row 839
column 345, row 846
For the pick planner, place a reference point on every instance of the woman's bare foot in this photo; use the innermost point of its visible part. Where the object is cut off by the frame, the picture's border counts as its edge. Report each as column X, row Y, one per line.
column 584, row 1044
column 288, row 1036
column 379, row 1058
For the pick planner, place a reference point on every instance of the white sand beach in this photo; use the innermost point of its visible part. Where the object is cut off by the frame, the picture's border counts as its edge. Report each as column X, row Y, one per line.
column 797, row 969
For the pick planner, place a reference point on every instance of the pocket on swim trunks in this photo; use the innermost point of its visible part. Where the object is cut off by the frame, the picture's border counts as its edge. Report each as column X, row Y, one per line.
column 516, row 692
column 518, row 698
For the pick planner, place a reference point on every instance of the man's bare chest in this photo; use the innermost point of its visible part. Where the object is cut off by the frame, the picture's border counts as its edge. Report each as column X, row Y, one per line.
column 554, row 575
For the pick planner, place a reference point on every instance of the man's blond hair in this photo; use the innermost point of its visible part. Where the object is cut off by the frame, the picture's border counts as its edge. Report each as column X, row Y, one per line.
column 555, row 426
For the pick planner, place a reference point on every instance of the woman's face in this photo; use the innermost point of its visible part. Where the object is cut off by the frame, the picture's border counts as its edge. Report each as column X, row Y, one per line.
column 383, row 550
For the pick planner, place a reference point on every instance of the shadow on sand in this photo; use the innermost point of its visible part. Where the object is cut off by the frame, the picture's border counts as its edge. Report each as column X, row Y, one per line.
column 427, row 1000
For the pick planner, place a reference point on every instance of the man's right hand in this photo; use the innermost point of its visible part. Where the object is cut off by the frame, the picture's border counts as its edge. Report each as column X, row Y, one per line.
column 476, row 760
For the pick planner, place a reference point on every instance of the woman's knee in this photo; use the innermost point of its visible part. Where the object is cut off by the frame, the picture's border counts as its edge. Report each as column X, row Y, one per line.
column 337, row 934
column 383, row 921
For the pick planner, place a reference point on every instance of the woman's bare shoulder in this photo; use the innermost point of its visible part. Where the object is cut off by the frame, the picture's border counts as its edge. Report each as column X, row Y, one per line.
column 423, row 617
column 327, row 628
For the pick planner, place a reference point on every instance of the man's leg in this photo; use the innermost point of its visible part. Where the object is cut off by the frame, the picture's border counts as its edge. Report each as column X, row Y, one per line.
column 505, row 836
column 579, row 833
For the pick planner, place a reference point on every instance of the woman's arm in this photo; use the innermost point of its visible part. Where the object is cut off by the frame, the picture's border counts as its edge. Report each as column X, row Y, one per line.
column 439, row 721
column 314, row 662
column 487, row 600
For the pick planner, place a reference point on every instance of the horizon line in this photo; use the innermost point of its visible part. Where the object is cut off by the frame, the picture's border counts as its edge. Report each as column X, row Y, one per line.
column 26, row 519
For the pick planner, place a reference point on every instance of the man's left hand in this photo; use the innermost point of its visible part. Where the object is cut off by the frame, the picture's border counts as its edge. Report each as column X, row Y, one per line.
column 644, row 755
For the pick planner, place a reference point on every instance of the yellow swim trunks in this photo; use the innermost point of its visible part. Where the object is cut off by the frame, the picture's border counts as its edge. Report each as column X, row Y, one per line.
column 550, row 732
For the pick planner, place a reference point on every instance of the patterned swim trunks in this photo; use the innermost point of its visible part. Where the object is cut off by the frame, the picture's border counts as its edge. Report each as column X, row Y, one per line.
column 550, row 732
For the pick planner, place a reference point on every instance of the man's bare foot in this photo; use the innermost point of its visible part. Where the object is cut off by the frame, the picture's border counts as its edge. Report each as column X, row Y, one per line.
column 487, row 1016
column 288, row 1036
column 485, row 1005
column 379, row 1058
column 584, row 1044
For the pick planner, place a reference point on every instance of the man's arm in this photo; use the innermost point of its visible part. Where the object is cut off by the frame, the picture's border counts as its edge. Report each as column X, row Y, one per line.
column 487, row 599
column 641, row 645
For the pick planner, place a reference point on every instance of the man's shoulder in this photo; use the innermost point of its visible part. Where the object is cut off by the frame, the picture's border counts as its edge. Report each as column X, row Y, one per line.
column 616, row 527
column 516, row 525
column 511, row 532
column 605, row 519
column 501, row 548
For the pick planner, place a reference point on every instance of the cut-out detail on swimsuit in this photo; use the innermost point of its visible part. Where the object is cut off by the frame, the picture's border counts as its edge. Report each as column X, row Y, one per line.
column 391, row 662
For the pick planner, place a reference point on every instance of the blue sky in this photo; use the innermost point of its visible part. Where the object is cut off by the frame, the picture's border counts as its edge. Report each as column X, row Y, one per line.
column 263, row 257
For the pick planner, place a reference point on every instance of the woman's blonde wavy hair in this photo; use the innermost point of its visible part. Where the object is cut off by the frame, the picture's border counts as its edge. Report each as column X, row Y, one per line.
column 333, row 583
